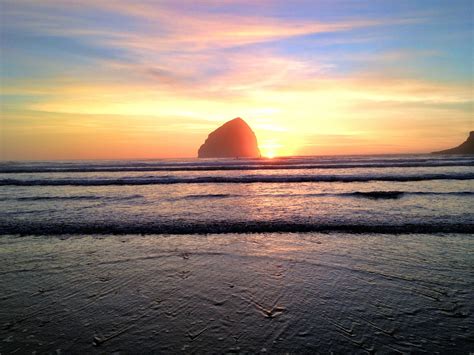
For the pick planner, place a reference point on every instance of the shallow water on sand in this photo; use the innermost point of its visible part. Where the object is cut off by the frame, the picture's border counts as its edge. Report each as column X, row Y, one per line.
column 237, row 293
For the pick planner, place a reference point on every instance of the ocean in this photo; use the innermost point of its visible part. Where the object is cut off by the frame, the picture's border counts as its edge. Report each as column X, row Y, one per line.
column 297, row 255
column 354, row 194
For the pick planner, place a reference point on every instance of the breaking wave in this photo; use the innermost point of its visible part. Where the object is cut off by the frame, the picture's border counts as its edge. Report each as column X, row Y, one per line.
column 71, row 198
column 358, row 194
column 232, row 167
column 121, row 228
column 154, row 180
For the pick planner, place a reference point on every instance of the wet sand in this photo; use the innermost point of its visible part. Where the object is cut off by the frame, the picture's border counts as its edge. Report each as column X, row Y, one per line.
column 296, row 293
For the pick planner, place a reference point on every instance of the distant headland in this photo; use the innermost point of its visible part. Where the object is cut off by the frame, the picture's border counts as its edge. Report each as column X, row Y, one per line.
column 466, row 148
column 234, row 139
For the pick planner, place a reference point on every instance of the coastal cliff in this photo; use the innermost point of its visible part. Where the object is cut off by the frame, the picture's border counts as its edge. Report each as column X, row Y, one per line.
column 466, row 148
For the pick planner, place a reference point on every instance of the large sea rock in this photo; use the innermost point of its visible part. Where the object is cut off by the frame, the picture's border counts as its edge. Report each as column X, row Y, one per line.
column 234, row 139
column 466, row 148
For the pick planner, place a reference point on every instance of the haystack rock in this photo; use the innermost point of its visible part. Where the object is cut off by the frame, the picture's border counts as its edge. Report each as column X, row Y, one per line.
column 234, row 139
column 466, row 148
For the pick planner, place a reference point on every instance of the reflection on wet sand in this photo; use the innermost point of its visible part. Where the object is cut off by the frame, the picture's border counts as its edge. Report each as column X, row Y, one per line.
column 231, row 293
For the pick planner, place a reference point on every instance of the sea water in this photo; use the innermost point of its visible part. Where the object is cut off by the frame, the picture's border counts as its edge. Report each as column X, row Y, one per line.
column 352, row 194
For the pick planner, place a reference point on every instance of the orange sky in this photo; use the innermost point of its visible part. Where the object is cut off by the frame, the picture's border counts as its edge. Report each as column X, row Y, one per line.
column 141, row 80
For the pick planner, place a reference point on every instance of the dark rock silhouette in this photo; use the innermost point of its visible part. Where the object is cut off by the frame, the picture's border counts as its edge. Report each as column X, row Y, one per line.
column 234, row 139
column 466, row 148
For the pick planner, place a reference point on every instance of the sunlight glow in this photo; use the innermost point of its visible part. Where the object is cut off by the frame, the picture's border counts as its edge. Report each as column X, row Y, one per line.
column 271, row 148
column 95, row 89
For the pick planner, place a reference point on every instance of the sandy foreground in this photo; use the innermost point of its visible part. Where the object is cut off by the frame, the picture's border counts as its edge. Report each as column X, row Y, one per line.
column 237, row 293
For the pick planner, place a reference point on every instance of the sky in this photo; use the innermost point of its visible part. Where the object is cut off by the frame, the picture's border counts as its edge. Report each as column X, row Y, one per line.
column 105, row 79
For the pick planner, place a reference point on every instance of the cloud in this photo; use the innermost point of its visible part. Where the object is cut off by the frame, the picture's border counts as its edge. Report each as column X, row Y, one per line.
column 164, row 71
column 154, row 26
column 165, row 47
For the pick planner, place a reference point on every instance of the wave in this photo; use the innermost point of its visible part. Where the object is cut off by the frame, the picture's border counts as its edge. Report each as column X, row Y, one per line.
column 220, row 227
column 399, row 194
column 154, row 180
column 233, row 167
column 71, row 198
column 391, row 194
column 209, row 196
column 308, row 162
column 379, row 194
column 357, row 194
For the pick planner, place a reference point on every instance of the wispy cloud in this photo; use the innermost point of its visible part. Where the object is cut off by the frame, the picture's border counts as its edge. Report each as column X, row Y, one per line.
column 145, row 69
column 160, row 27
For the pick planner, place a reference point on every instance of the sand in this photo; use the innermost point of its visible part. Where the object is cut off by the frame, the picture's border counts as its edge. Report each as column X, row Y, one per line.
column 297, row 293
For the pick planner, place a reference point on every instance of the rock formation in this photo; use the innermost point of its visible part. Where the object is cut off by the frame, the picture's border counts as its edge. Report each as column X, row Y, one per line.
column 234, row 139
column 466, row 148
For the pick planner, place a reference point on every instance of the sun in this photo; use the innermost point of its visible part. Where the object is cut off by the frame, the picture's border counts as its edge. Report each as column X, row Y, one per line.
column 270, row 149
column 269, row 155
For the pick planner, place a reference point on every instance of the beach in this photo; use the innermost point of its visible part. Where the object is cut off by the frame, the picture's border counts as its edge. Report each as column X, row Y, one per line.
column 236, row 177
column 349, row 254
column 244, row 293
